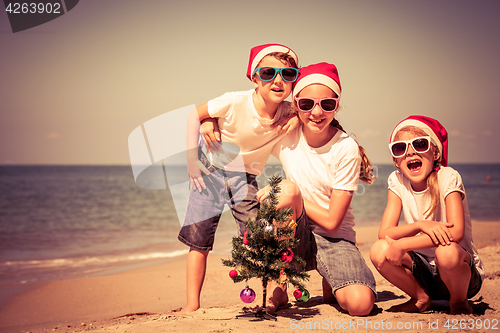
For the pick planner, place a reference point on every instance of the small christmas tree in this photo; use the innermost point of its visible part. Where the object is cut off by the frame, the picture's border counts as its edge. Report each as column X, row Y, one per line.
column 265, row 249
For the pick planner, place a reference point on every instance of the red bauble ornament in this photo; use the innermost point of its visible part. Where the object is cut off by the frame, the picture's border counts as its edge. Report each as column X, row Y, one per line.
column 304, row 295
column 245, row 240
column 233, row 273
column 287, row 255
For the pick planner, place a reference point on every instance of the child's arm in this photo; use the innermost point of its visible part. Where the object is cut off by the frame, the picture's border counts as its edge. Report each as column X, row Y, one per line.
column 390, row 219
column 195, row 167
column 330, row 219
column 439, row 233
column 455, row 215
column 401, row 239
column 210, row 131
column 456, row 225
column 287, row 123
column 398, row 248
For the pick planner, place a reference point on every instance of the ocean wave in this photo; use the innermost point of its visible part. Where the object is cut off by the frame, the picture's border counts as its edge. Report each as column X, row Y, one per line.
column 89, row 261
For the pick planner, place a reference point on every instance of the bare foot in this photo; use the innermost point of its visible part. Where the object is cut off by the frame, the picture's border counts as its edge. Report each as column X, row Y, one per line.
column 184, row 311
column 277, row 299
column 460, row 308
column 411, row 306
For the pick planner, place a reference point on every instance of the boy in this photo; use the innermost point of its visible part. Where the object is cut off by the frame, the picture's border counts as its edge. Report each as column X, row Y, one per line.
column 245, row 120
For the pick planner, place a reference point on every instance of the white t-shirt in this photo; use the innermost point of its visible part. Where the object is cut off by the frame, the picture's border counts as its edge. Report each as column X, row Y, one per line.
column 317, row 171
column 415, row 204
column 247, row 138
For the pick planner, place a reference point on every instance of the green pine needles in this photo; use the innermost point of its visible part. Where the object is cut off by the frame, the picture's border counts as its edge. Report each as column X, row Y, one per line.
column 266, row 238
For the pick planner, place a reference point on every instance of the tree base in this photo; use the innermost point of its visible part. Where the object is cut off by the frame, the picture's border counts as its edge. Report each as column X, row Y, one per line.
column 261, row 313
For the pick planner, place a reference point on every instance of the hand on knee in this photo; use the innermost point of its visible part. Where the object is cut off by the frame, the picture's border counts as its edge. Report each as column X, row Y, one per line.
column 451, row 257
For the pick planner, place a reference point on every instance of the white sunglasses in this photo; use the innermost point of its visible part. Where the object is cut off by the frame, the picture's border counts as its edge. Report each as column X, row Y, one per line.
column 422, row 144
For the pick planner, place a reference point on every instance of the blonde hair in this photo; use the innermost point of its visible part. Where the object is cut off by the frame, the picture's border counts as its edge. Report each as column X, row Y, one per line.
column 366, row 172
column 432, row 179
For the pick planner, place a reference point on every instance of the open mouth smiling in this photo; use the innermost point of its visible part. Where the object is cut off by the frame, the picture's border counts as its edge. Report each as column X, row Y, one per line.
column 414, row 165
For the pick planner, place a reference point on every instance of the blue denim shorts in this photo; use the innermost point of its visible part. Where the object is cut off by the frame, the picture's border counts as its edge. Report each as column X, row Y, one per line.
column 236, row 189
column 428, row 277
column 341, row 264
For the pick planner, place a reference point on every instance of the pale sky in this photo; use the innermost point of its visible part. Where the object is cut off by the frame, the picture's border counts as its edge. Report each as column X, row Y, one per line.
column 73, row 89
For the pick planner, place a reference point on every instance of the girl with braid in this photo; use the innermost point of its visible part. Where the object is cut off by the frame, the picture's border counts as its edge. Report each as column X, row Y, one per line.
column 323, row 166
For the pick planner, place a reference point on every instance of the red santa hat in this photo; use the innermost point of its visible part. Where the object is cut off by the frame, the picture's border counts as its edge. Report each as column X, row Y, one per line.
column 432, row 128
column 322, row 73
column 259, row 52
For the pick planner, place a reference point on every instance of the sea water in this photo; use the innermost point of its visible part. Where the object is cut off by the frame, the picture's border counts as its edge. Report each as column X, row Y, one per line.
column 59, row 222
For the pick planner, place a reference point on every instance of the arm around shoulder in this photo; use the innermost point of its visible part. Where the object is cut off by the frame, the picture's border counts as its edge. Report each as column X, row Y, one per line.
column 202, row 111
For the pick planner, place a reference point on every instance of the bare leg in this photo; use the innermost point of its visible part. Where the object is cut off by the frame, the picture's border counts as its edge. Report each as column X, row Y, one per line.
column 328, row 297
column 195, row 275
column 357, row 299
column 401, row 277
column 453, row 265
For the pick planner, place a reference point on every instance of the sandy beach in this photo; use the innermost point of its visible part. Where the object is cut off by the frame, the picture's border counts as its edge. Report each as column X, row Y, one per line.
column 142, row 300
